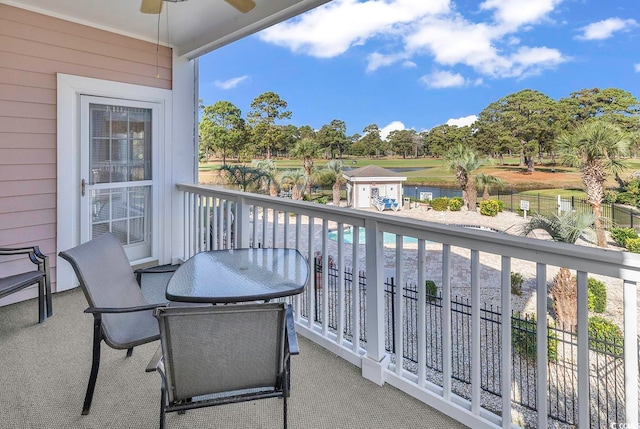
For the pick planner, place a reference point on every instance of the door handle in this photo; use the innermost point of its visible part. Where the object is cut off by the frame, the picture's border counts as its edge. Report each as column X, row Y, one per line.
column 82, row 187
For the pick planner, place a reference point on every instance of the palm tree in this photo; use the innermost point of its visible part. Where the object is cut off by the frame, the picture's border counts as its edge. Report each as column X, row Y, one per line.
column 566, row 228
column 296, row 179
column 307, row 150
column 268, row 166
column 464, row 160
column 486, row 181
column 335, row 168
column 594, row 148
column 245, row 177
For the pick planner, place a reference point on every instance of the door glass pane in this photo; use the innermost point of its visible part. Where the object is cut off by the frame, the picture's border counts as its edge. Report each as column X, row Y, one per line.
column 120, row 148
column 120, row 157
column 122, row 211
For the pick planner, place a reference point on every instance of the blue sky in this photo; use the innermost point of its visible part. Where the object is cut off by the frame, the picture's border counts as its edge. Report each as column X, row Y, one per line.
column 421, row 63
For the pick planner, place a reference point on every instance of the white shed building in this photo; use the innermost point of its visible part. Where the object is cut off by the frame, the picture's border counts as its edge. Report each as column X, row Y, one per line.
column 367, row 182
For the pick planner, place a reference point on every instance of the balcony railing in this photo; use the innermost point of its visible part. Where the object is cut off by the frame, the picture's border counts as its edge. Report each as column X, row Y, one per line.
column 478, row 263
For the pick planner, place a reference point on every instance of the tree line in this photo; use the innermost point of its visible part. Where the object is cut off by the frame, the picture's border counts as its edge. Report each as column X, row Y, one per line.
column 525, row 124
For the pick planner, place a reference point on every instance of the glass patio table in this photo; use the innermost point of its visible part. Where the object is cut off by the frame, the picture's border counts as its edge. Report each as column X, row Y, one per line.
column 236, row 275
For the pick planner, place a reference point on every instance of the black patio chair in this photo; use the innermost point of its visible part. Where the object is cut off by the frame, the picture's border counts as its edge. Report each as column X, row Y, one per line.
column 40, row 276
column 121, row 315
column 224, row 354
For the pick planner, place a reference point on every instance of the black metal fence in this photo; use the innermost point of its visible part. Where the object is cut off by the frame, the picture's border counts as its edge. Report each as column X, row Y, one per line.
column 606, row 358
column 616, row 214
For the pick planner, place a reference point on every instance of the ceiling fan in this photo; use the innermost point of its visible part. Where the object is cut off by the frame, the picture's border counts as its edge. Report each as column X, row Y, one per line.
column 155, row 6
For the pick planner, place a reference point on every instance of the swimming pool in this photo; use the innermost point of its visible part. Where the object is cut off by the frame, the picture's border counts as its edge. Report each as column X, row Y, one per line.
column 388, row 238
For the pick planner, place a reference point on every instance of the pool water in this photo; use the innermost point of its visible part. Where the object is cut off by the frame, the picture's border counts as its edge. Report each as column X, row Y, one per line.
column 388, row 238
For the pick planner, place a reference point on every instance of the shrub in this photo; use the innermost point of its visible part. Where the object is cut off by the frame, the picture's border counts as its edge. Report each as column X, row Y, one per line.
column 626, row 198
column 523, row 337
column 432, row 290
column 322, row 200
column 610, row 197
column 620, row 235
column 605, row 336
column 489, row 207
column 632, row 245
column 597, row 295
column 440, row 203
column 455, row 204
column 500, row 205
column 516, row 283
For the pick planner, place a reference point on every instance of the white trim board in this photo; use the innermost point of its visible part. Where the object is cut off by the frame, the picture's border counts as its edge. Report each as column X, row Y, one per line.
column 69, row 90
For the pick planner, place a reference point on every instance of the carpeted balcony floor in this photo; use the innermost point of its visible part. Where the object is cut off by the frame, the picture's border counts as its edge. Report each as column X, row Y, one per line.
column 44, row 370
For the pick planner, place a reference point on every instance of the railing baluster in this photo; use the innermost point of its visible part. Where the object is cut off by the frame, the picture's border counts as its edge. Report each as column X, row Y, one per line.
column 265, row 220
column 631, row 354
column 583, row 351
column 475, row 332
column 340, row 314
column 276, row 222
column 399, row 306
column 446, row 322
column 541, row 345
column 422, row 323
column 312, row 263
column 505, row 358
column 325, row 277
column 355, row 291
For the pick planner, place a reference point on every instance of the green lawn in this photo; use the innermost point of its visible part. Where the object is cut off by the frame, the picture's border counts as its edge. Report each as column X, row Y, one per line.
column 432, row 172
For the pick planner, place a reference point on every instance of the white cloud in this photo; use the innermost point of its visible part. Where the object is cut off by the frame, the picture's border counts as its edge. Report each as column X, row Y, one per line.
column 636, row 67
column 329, row 30
column 409, row 64
column 393, row 126
column 604, row 29
column 230, row 83
column 443, row 79
column 410, row 28
column 461, row 122
column 514, row 13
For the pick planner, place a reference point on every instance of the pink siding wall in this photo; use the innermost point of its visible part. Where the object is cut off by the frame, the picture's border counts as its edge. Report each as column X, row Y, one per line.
column 33, row 48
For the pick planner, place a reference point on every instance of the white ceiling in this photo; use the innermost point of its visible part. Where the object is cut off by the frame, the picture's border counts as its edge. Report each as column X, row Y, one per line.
column 195, row 26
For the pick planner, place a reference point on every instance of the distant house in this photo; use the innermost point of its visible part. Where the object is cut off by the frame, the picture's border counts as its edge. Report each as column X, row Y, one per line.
column 365, row 183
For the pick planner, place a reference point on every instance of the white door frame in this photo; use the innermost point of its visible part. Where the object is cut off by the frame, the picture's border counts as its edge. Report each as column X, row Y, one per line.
column 69, row 90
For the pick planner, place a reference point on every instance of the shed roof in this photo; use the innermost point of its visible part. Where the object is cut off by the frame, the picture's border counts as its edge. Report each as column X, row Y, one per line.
column 372, row 171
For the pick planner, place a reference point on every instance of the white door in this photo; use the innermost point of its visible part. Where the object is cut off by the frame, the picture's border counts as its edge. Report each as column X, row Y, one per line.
column 364, row 199
column 117, row 144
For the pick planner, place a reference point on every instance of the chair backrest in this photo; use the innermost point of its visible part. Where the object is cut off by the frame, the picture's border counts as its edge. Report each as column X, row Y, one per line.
column 104, row 273
column 215, row 349
column 108, row 281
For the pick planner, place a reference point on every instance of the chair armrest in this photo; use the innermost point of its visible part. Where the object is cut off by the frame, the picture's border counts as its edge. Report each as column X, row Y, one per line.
column 116, row 310
column 158, row 269
column 35, row 255
column 292, row 339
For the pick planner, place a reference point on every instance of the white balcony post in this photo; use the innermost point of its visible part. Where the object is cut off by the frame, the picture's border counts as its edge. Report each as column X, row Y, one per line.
column 374, row 363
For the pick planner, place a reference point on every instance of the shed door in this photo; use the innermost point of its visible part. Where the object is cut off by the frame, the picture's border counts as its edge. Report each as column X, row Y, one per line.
column 364, row 199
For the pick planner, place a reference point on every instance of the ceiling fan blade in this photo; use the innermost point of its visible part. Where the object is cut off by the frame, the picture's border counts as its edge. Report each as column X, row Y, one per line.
column 151, row 6
column 243, row 6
